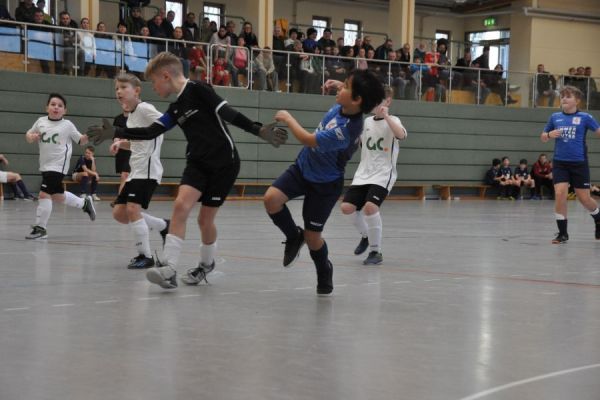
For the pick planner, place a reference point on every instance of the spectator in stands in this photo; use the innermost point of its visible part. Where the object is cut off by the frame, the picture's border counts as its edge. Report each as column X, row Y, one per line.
column 249, row 37
column 546, row 86
column 123, row 45
column 156, row 27
column 180, row 49
column 463, row 76
column 417, row 71
column 358, row 44
column 213, row 26
column 484, row 59
column 591, row 82
column 325, row 40
column 292, row 37
column 335, row 67
column 265, row 71
column 570, row 79
column 297, row 58
column 594, row 96
column 523, row 179
column 309, row 44
column 361, row 59
column 87, row 47
column 442, row 59
column 41, row 4
column 497, row 84
column 42, row 35
column 25, row 10
column 102, row 35
column 420, row 52
column 492, row 176
column 5, row 14
column 381, row 53
column 191, row 30
column 220, row 74
column 580, row 80
column 230, row 26
column 68, row 45
column 435, row 91
column 279, row 58
column 542, row 175
column 206, row 32
column 366, row 44
column 135, row 22
column 397, row 76
column 198, row 65
column 339, row 44
column 223, row 43
column 238, row 62
column 404, row 53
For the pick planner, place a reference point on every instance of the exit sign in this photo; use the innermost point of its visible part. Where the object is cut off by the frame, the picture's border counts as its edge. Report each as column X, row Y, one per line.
column 490, row 21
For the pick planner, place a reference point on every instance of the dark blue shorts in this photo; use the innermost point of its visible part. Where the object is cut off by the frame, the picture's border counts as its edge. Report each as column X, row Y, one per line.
column 575, row 173
column 319, row 198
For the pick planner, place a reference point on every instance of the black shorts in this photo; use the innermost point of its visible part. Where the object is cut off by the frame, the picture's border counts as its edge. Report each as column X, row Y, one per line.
column 138, row 191
column 575, row 173
column 122, row 161
column 52, row 183
column 360, row 194
column 214, row 184
column 319, row 198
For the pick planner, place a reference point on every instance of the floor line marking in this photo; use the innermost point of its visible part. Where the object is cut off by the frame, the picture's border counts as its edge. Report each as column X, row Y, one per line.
column 63, row 305
column 397, row 282
column 528, row 380
column 183, row 296
column 16, row 309
column 303, row 288
column 105, row 301
column 148, row 298
column 224, row 293
column 268, row 290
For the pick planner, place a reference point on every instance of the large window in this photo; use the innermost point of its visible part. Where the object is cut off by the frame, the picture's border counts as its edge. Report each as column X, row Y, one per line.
column 177, row 8
column 352, row 30
column 442, row 35
column 499, row 42
column 320, row 23
column 215, row 12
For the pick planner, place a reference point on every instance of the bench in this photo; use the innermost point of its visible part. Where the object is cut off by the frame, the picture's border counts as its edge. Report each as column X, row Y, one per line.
column 241, row 186
column 417, row 191
column 173, row 187
column 445, row 190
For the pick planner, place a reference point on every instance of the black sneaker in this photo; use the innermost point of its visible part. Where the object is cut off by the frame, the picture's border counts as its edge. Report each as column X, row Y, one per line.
column 560, row 238
column 194, row 276
column 363, row 245
column 37, row 233
column 30, row 197
column 88, row 208
column 325, row 280
column 597, row 233
column 292, row 248
column 374, row 258
column 165, row 231
column 141, row 262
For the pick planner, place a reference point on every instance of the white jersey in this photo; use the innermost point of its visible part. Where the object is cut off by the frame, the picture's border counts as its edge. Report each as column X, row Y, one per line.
column 145, row 154
column 3, row 177
column 378, row 154
column 56, row 143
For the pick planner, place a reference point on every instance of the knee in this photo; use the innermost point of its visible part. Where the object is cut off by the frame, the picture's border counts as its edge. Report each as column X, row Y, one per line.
column 370, row 208
column 272, row 202
column 313, row 239
column 181, row 209
column 120, row 215
column 17, row 177
column 347, row 208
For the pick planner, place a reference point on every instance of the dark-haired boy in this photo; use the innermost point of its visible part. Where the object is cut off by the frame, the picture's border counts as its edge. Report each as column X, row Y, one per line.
column 318, row 173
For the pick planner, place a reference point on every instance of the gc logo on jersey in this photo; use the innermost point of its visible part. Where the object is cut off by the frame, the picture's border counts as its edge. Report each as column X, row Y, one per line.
column 47, row 138
column 372, row 145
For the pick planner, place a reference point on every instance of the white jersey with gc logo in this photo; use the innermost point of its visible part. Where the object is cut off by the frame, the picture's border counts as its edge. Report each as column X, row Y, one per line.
column 145, row 154
column 56, row 143
column 378, row 154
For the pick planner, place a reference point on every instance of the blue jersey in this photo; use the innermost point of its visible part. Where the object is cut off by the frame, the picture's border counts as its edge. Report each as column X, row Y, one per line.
column 523, row 173
column 337, row 139
column 571, row 145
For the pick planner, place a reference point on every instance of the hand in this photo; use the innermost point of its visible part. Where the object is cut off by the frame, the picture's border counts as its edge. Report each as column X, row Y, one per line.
column 32, row 137
column 381, row 111
column 554, row 134
column 114, row 148
column 99, row 134
column 283, row 116
column 272, row 134
column 332, row 84
column 3, row 159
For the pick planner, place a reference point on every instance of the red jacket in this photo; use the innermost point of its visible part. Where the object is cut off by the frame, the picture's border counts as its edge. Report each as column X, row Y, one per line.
column 541, row 170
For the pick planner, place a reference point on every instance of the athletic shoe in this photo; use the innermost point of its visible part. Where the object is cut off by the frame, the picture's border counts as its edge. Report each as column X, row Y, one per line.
column 292, row 248
column 325, row 280
column 597, row 233
column 363, row 245
column 560, row 238
column 88, row 208
column 165, row 277
column 30, row 197
column 95, row 197
column 194, row 276
column 374, row 258
column 141, row 262
column 37, row 233
column 165, row 231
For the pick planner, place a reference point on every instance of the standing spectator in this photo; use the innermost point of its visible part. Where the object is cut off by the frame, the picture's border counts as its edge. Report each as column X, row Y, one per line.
column 366, row 44
column 249, row 36
column 361, row 59
column 542, row 175
column 25, row 11
column 102, row 36
column 546, row 86
column 223, row 43
column 404, row 53
column 420, row 52
column 123, row 45
column 309, row 44
column 266, row 71
column 42, row 35
column 68, row 44
column 87, row 47
column 230, row 26
column 397, row 76
column 358, row 44
column 41, row 4
column 191, row 30
column 156, row 27
column 496, row 83
column 135, row 22
column 167, row 24
column 463, row 76
column 205, row 31
column 180, row 49
column 279, row 58
column 340, row 43
column 594, row 96
column 417, row 71
column 292, row 37
column 381, row 53
column 484, row 59
column 570, row 79
column 325, row 40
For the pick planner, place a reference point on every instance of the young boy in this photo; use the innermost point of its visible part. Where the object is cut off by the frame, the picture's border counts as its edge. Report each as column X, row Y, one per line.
column 122, row 167
column 492, row 175
column 570, row 165
column 146, row 171
column 522, row 179
column 506, row 180
column 318, row 173
column 86, row 174
column 54, row 135
column 15, row 181
column 212, row 159
column 374, row 177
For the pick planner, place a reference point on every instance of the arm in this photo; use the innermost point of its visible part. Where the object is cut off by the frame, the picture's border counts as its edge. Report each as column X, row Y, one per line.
column 395, row 125
column 303, row 136
column 3, row 159
column 546, row 136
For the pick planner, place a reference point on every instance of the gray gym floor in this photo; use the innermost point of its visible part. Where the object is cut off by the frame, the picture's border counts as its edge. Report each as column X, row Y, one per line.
column 472, row 302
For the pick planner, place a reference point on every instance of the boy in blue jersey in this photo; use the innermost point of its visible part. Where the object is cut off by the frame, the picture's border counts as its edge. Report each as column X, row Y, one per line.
column 568, row 128
column 318, row 173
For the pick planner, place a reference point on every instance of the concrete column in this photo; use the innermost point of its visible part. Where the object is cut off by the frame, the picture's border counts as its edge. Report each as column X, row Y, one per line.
column 85, row 8
column 261, row 11
column 401, row 22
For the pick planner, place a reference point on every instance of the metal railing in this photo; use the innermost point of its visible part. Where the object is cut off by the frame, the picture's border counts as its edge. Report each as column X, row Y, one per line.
column 75, row 52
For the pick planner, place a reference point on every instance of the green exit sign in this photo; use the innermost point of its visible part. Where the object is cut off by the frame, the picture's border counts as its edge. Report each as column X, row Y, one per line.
column 490, row 21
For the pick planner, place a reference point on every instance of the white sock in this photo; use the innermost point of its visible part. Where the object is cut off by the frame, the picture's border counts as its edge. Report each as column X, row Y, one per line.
column 172, row 250
column 155, row 224
column 141, row 233
column 595, row 212
column 73, row 201
column 42, row 214
column 358, row 220
column 374, row 225
column 207, row 253
column 559, row 217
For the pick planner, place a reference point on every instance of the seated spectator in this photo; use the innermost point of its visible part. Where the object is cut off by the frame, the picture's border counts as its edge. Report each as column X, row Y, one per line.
column 206, row 31
column 191, row 30
column 87, row 47
column 397, row 76
column 358, row 44
column 542, row 175
column 336, row 67
column 180, row 49
column 570, row 78
column 463, row 77
column 594, row 96
column 222, row 42
column 25, row 11
column 506, row 180
column 156, row 27
column 230, row 26
column 238, row 62
column 523, row 179
column 361, row 59
column 325, row 40
column 381, row 53
column 580, row 81
column 441, row 60
column 417, row 72
column 340, row 43
column 296, row 78
column 265, row 71
column 86, row 174
column 101, row 37
column 15, row 182
column 484, row 59
column 434, row 90
column 135, row 22
column 420, row 52
column 310, row 78
column 167, row 24
column 496, row 83
column 545, row 86
column 41, row 4
column 198, row 66
column 310, row 43
column 220, row 74
column 249, row 37
column 492, row 176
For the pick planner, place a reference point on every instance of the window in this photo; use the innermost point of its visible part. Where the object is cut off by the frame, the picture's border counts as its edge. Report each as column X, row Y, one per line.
column 499, row 42
column 177, row 8
column 320, row 23
column 352, row 30
column 442, row 35
column 215, row 12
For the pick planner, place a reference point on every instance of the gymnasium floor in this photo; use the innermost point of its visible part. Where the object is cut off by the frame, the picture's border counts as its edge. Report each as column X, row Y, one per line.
column 472, row 302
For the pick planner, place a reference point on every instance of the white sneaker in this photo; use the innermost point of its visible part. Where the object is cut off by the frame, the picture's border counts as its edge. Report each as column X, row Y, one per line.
column 95, row 197
column 165, row 277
